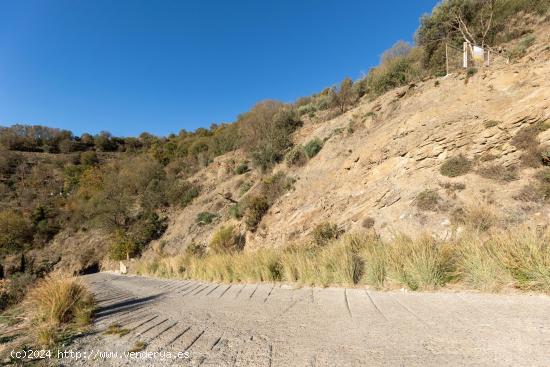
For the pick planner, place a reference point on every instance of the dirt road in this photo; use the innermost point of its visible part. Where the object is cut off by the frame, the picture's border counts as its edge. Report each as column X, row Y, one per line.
column 273, row 325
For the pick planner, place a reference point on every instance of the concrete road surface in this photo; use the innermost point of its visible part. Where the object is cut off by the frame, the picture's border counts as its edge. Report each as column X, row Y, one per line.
column 191, row 323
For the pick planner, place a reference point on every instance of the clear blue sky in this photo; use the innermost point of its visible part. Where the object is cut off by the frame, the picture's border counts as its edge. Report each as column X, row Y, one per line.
column 129, row 66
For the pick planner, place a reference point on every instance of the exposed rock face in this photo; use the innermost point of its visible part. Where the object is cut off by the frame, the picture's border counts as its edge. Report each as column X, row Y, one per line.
column 396, row 151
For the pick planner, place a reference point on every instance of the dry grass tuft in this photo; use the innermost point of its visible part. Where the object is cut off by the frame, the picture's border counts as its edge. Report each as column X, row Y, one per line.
column 419, row 264
column 428, row 200
column 137, row 347
column 57, row 303
column 482, row 259
column 498, row 172
column 116, row 329
column 476, row 218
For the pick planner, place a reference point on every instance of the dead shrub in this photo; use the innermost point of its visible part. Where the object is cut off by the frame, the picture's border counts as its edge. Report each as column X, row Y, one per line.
column 537, row 191
column 324, row 232
column 368, row 222
column 428, row 200
column 455, row 166
column 256, row 208
column 499, row 172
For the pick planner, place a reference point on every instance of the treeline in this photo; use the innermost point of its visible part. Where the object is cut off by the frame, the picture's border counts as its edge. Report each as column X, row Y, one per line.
column 122, row 195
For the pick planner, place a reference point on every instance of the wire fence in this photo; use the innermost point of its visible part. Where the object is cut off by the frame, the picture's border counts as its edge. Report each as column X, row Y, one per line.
column 457, row 59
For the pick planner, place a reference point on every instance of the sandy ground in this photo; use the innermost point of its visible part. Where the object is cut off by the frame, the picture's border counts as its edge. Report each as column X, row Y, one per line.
column 276, row 325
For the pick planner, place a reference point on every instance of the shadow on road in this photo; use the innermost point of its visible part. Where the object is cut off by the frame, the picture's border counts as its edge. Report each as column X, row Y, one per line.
column 125, row 305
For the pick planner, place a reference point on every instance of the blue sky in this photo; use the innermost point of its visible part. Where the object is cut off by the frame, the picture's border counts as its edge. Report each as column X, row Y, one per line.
column 129, row 66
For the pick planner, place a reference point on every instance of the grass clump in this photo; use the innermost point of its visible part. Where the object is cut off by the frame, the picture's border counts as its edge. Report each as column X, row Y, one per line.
column 204, row 218
column 522, row 46
column 489, row 261
column 455, row 166
column 116, row 329
column 478, row 267
column 137, row 347
column 57, row 304
column 236, row 211
column 477, row 218
column 516, row 258
column 244, row 187
column 226, row 240
column 419, row 264
column 428, row 200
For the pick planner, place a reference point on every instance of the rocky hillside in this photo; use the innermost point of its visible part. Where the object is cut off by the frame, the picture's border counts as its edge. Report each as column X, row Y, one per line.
column 425, row 158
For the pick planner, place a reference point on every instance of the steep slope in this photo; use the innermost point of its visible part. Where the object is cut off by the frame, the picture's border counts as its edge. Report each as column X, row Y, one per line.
column 395, row 154
column 381, row 155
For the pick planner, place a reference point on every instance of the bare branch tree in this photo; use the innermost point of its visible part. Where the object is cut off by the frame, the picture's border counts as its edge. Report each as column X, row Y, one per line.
column 469, row 31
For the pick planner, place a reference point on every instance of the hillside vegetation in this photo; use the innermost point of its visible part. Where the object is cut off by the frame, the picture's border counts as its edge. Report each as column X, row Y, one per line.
column 404, row 150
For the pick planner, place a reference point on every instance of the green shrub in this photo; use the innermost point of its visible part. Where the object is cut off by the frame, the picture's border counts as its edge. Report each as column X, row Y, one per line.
column 313, row 147
column 455, row 166
column 393, row 73
column 307, row 109
column 147, row 226
column 89, row 158
column 241, row 168
column 15, row 230
column 526, row 137
column 428, row 200
column 521, row 48
column 236, row 211
column 325, row 232
column 182, row 193
column 123, row 248
column 256, row 208
column 272, row 187
column 471, row 72
column 267, row 130
column 264, row 157
column 15, row 288
column 204, row 218
column 226, row 240
column 296, row 156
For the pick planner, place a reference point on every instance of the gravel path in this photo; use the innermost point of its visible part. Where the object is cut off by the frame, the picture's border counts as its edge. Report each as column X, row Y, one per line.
column 272, row 325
